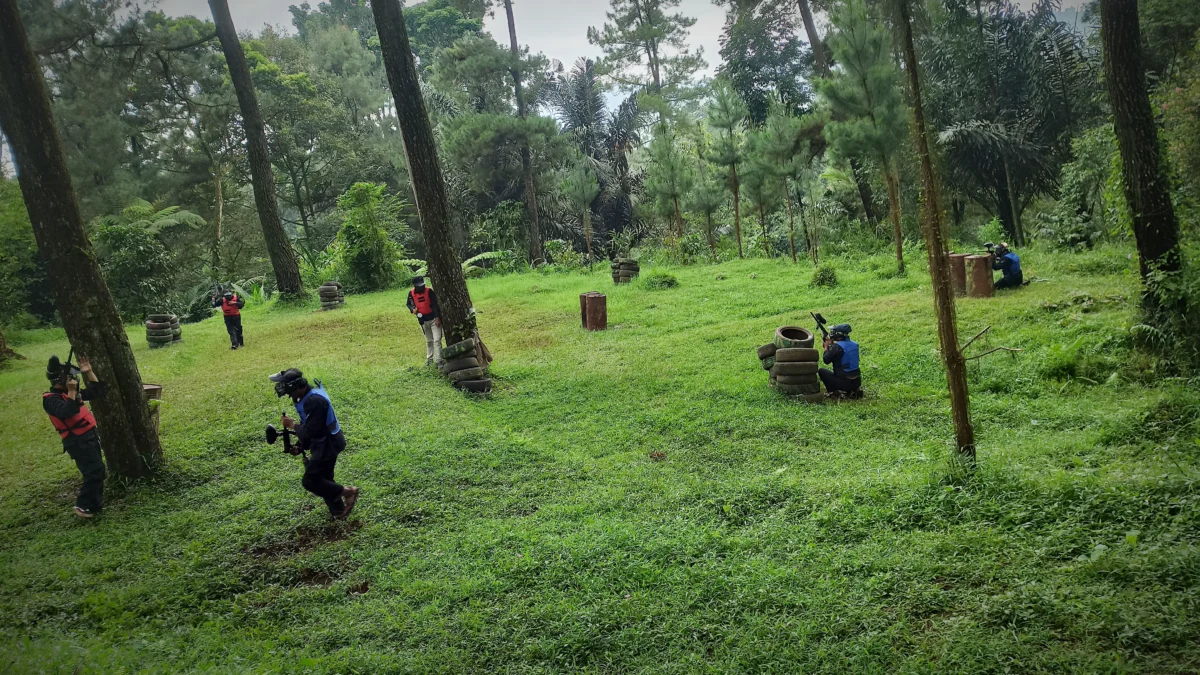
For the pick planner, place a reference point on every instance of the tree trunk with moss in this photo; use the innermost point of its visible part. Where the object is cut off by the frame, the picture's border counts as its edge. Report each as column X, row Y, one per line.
column 1155, row 228
column 279, row 247
column 530, row 181
column 88, row 312
column 939, row 257
column 425, row 172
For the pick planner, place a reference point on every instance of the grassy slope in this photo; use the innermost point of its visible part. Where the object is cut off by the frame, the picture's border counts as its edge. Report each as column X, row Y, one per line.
column 530, row 532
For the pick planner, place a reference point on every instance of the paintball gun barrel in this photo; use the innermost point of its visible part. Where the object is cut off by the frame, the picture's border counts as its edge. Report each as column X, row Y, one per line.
column 820, row 324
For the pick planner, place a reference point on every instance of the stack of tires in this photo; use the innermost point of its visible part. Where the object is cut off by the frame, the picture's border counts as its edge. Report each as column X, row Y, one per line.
column 624, row 270
column 163, row 330
column 465, row 370
column 792, row 363
column 331, row 295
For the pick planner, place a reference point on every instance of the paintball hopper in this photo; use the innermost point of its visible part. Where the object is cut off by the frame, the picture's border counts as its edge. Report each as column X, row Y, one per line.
column 273, row 434
column 821, row 321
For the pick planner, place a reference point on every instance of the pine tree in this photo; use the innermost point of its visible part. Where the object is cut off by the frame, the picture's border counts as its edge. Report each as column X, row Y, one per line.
column 581, row 188
column 784, row 145
column 708, row 193
column 934, row 227
column 865, row 98
column 645, row 48
column 727, row 114
column 279, row 247
column 425, row 172
column 760, row 183
column 530, row 191
column 89, row 315
column 669, row 175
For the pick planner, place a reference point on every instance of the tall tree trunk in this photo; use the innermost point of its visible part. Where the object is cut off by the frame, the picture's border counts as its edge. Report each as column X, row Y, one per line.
column 425, row 172
column 88, row 312
column 1013, row 204
column 787, row 193
column 678, row 219
column 219, row 220
column 762, row 222
column 893, row 186
column 939, row 258
column 279, row 248
column 587, row 230
column 865, row 194
column 820, row 63
column 737, row 208
column 530, row 191
column 712, row 244
column 958, row 209
column 1146, row 189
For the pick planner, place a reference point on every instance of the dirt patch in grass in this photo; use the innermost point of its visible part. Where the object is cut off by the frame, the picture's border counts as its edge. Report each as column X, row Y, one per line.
column 305, row 539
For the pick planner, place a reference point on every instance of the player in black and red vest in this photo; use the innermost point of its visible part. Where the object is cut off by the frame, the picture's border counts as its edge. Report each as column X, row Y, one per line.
column 77, row 427
column 231, row 308
column 423, row 302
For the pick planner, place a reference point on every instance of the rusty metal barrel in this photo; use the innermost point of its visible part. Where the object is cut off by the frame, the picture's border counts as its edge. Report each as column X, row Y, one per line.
column 979, row 276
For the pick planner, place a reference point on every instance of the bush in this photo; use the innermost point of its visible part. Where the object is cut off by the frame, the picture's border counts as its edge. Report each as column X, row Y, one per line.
column 657, row 281
column 563, row 255
column 824, row 277
column 139, row 270
column 369, row 258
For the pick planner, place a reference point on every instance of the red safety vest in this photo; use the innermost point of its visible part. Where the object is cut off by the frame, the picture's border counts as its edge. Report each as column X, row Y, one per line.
column 229, row 308
column 423, row 301
column 79, row 424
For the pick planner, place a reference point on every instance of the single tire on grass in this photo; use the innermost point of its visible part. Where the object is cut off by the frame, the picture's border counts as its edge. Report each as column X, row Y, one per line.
column 475, row 386
column 459, row 350
column 793, row 336
column 465, row 374
column 797, row 355
column 460, row 364
column 797, row 368
column 769, row 363
column 796, row 380
column 766, row 350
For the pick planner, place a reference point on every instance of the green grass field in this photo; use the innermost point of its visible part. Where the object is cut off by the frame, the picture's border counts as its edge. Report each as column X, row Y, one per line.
column 530, row 532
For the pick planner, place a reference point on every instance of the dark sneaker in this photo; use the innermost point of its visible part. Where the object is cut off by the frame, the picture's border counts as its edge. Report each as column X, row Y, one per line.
column 84, row 513
column 234, row 347
column 350, row 495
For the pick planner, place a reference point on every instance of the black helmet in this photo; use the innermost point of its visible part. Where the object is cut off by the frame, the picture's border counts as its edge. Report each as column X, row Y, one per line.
column 288, row 382
column 228, row 293
column 1002, row 248
column 55, row 368
column 418, row 282
column 842, row 329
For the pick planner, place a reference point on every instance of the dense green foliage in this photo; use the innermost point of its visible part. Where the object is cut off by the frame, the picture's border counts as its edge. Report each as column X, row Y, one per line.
column 370, row 259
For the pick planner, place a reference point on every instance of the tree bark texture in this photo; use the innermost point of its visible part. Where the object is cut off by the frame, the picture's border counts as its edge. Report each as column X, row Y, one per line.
column 425, row 172
column 219, row 220
column 89, row 314
column 1146, row 189
column 279, row 247
column 530, row 191
column 737, row 207
column 865, row 194
column 939, row 257
column 787, row 194
column 893, row 186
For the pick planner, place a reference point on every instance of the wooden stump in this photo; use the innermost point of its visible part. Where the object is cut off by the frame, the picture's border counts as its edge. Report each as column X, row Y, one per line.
column 594, row 309
column 979, row 276
column 958, row 273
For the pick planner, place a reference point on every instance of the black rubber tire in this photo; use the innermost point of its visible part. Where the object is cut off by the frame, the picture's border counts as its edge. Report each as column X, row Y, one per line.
column 330, row 293
column 769, row 363
column 797, row 379
column 162, row 318
column 177, row 338
column 158, row 325
column 174, row 325
column 465, row 374
column 797, row 368
column 766, row 350
column 786, row 337
column 176, row 332
column 159, row 339
column 158, row 331
column 626, row 261
column 482, row 386
column 159, row 345
column 331, row 284
column 797, row 354
column 798, row 389
column 459, row 350
column 460, row 364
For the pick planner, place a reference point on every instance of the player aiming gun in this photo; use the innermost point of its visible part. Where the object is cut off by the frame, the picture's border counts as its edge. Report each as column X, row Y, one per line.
column 231, row 308
column 842, row 353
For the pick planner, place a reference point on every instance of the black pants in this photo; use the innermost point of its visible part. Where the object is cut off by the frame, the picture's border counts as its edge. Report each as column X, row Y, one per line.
column 840, row 383
column 233, row 324
column 318, row 473
column 1011, row 281
column 85, row 450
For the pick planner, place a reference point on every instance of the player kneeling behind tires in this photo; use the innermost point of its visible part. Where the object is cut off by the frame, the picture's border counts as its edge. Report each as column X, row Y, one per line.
column 319, row 432
column 842, row 353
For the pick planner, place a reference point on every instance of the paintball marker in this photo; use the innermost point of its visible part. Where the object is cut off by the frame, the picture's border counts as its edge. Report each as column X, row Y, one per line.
column 820, row 325
column 274, row 434
column 68, row 371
